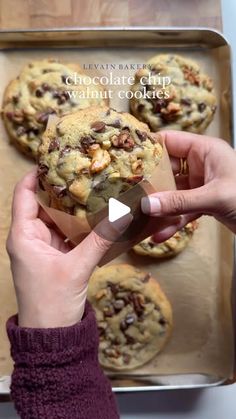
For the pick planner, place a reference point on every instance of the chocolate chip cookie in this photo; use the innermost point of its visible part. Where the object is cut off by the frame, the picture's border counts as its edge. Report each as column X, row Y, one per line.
column 96, row 149
column 168, row 248
column 41, row 90
column 187, row 102
column 133, row 315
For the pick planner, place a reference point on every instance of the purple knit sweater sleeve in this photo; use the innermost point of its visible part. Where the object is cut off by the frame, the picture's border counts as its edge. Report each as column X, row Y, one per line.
column 56, row 372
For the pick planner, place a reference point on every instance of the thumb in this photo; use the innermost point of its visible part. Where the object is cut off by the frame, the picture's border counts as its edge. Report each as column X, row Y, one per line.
column 199, row 200
column 97, row 243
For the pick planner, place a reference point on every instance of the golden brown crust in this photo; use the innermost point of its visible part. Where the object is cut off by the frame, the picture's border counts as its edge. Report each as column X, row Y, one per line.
column 95, row 150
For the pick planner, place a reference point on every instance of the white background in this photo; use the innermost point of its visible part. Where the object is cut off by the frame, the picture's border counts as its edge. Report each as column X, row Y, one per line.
column 214, row 403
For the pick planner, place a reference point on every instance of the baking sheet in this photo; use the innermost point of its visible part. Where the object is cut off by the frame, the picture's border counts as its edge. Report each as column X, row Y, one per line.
column 198, row 281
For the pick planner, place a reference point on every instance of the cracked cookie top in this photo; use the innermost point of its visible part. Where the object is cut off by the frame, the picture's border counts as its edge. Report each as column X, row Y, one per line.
column 95, row 149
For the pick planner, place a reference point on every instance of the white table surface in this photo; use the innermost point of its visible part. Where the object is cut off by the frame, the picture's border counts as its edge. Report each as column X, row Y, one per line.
column 213, row 403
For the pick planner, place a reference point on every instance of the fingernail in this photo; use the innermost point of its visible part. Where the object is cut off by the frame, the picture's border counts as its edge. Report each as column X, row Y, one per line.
column 151, row 205
column 122, row 223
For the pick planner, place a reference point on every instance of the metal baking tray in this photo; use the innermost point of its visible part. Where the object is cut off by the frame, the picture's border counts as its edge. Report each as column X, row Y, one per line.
column 139, row 37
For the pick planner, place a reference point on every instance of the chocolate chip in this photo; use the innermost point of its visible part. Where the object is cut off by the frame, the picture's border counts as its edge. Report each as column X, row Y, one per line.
column 140, row 108
column 146, row 278
column 123, row 325
column 47, row 70
column 59, row 191
column 70, row 210
column 142, row 135
column 155, row 70
column 114, row 287
column 15, row 99
column 108, row 112
column 108, row 311
column 186, row 101
column 162, row 321
column 33, row 130
column 129, row 339
column 20, row 131
column 116, row 340
column 158, row 104
column 60, row 96
column 201, row 107
column 42, row 117
column 64, row 78
column 42, row 169
column 86, row 142
column 54, row 145
column 46, row 87
column 39, row 92
column 118, row 304
column 98, row 126
column 65, row 151
column 115, row 124
column 129, row 319
column 97, row 185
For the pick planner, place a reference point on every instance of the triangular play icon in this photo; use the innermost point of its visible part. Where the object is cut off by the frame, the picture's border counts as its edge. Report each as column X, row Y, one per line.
column 116, row 210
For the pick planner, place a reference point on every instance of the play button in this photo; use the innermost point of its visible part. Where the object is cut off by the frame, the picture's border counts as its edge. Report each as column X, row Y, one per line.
column 116, row 210
column 112, row 201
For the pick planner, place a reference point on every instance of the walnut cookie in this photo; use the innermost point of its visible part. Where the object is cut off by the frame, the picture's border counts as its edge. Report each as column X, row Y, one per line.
column 96, row 149
column 191, row 103
column 40, row 90
column 134, row 316
column 169, row 248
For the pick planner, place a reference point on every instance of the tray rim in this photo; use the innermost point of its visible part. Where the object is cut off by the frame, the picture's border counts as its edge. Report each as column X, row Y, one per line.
column 117, row 29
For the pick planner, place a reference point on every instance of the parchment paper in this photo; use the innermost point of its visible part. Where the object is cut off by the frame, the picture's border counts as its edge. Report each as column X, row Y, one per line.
column 197, row 282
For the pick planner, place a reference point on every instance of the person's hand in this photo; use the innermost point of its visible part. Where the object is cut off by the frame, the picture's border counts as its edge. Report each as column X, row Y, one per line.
column 50, row 277
column 208, row 188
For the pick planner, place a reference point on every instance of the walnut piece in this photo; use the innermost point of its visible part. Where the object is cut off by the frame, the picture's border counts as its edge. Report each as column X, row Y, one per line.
column 123, row 140
column 100, row 158
column 191, row 75
column 171, row 112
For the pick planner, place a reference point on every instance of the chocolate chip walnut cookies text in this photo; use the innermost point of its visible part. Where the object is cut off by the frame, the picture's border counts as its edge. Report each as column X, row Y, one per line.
column 133, row 314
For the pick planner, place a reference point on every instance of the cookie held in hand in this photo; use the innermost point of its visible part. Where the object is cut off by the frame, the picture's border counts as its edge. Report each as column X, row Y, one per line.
column 95, row 150
column 133, row 314
column 186, row 103
column 169, row 248
column 41, row 90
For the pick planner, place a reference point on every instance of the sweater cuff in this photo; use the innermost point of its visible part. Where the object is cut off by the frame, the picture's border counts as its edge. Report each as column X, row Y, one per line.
column 29, row 340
